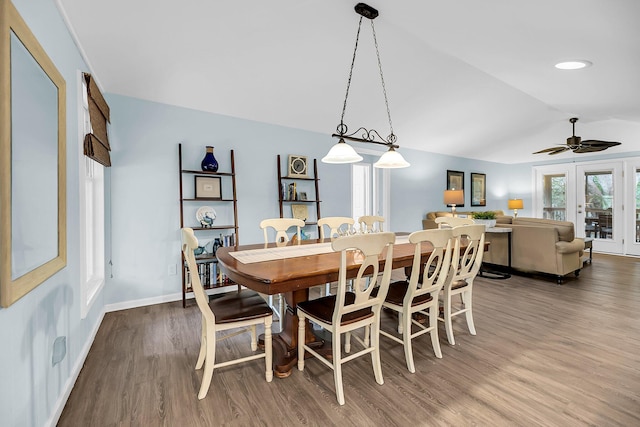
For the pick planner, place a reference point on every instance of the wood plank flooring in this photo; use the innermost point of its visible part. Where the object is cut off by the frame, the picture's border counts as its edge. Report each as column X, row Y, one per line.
column 544, row 355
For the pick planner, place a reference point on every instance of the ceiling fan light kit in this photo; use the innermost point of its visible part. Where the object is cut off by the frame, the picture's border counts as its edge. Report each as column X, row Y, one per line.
column 343, row 152
column 577, row 145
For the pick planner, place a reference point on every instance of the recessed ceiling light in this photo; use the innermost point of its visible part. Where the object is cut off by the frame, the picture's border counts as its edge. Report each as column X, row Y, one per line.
column 573, row 65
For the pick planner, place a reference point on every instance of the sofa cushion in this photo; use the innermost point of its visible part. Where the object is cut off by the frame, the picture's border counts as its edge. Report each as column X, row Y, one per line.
column 565, row 229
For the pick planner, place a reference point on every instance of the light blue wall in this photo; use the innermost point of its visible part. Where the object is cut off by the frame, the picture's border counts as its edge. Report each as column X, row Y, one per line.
column 145, row 185
column 30, row 387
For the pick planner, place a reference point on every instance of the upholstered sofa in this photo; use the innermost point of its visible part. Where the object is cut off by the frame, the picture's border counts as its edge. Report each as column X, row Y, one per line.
column 537, row 245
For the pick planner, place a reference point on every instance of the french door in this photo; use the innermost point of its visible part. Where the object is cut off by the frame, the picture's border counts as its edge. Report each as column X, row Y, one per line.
column 632, row 207
column 601, row 197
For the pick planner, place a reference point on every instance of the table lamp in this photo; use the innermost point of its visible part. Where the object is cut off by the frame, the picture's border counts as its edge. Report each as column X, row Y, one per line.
column 453, row 198
column 515, row 204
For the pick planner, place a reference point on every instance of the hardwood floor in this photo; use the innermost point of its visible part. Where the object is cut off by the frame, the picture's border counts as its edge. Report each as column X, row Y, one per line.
column 543, row 355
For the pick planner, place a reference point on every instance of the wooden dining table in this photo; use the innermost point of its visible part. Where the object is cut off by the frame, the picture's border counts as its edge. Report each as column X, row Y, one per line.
column 293, row 276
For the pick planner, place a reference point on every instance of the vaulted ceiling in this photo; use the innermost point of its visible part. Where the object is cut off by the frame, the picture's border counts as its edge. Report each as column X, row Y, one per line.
column 467, row 78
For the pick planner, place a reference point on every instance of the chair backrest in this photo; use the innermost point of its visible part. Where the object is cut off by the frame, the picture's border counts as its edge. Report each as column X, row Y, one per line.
column 281, row 225
column 334, row 223
column 368, row 248
column 605, row 220
column 189, row 244
column 452, row 221
column 438, row 270
column 368, row 222
column 471, row 259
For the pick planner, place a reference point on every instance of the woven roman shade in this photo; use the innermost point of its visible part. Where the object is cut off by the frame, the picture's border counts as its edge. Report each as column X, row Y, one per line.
column 96, row 143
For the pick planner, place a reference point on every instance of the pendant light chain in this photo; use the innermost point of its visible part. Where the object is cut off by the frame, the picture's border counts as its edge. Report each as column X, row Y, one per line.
column 342, row 128
column 391, row 138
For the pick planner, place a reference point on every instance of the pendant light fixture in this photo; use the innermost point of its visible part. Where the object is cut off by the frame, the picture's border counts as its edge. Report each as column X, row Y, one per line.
column 343, row 152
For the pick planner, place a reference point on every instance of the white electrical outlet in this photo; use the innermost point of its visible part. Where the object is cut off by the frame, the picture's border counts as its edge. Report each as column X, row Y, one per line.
column 172, row 269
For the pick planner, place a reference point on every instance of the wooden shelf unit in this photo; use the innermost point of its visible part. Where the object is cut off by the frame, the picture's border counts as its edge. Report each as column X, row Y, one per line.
column 315, row 200
column 209, row 273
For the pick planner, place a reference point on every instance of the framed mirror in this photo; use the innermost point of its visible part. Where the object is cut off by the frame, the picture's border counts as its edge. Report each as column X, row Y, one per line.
column 32, row 161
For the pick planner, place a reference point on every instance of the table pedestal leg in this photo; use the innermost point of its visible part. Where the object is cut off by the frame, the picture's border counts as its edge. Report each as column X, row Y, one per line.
column 285, row 343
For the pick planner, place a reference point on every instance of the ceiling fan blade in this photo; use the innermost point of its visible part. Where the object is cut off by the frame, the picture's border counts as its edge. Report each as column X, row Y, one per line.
column 559, row 150
column 595, row 142
column 589, row 149
column 548, row 150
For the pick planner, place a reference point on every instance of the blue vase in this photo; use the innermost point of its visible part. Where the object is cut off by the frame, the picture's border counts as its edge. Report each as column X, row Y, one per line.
column 209, row 163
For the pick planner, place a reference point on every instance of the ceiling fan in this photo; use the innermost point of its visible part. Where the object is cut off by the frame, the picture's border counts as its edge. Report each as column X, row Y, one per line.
column 576, row 144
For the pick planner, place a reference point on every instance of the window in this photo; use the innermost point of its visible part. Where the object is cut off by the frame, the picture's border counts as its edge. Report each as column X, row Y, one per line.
column 92, row 271
column 555, row 197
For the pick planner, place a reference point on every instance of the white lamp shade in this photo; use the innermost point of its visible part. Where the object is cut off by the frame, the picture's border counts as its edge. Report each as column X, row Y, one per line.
column 342, row 153
column 391, row 160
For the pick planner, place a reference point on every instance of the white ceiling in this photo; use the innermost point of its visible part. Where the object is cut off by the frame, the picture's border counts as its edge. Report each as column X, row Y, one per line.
column 467, row 78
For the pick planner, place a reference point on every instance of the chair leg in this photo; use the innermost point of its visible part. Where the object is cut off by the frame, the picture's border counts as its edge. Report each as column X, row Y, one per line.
column 208, row 365
column 406, row 338
column 433, row 324
column 448, row 326
column 254, row 338
column 469, row 313
column 400, row 327
column 375, row 354
column 337, row 369
column 347, row 342
column 268, row 349
column 367, row 334
column 301, row 337
column 203, row 345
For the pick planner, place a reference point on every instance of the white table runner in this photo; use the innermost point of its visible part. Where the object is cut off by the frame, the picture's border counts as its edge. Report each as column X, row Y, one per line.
column 269, row 254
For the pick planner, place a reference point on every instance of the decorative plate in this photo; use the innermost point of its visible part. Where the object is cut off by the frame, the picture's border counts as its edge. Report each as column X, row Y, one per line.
column 205, row 216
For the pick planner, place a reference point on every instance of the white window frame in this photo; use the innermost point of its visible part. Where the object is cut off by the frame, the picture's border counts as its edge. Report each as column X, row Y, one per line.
column 91, row 198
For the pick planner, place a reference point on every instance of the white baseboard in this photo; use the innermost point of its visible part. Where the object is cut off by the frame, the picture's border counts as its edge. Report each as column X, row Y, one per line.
column 126, row 305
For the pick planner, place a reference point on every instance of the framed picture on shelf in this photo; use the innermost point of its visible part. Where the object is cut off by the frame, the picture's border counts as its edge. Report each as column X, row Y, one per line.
column 478, row 189
column 302, row 195
column 297, row 166
column 300, row 212
column 208, row 187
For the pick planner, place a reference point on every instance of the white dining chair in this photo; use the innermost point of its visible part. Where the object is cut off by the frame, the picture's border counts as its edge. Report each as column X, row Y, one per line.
column 467, row 267
column 452, row 221
column 334, row 223
column 368, row 223
column 236, row 309
column 347, row 311
column 281, row 227
column 420, row 293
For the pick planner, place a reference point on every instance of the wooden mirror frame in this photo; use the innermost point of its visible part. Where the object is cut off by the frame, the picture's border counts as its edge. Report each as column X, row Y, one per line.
column 12, row 289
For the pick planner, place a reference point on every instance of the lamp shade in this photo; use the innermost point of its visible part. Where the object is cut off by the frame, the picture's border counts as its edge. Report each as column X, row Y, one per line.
column 454, row 197
column 342, row 153
column 515, row 204
column 391, row 160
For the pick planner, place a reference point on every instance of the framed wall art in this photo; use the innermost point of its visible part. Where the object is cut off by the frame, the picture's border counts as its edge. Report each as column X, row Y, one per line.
column 455, row 180
column 297, row 166
column 478, row 189
column 208, row 187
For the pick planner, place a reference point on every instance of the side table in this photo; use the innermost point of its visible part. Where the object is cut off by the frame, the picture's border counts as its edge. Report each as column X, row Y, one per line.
column 588, row 244
column 499, row 274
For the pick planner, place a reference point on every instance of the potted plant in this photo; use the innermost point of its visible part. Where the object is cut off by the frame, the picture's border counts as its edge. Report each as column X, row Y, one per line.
column 488, row 218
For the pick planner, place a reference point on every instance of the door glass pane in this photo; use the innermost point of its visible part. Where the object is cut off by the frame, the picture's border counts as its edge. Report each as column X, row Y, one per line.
column 555, row 197
column 598, row 204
